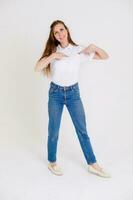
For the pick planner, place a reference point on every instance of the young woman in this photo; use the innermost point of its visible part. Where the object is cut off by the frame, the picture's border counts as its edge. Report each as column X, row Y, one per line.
column 61, row 59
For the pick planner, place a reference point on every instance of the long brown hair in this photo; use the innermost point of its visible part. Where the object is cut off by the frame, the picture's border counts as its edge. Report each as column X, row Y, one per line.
column 52, row 43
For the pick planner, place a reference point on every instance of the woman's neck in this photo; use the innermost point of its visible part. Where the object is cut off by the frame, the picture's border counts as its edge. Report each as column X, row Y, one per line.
column 64, row 44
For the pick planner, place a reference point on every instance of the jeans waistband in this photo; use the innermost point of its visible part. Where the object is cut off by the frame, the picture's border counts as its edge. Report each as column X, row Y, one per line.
column 64, row 87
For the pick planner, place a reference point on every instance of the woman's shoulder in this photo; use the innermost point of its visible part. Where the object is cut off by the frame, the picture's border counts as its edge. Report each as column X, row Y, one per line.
column 79, row 47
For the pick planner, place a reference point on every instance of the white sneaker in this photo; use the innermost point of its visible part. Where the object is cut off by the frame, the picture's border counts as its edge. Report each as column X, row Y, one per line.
column 101, row 173
column 55, row 169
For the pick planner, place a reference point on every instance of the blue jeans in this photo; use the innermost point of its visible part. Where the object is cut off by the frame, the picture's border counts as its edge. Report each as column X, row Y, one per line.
column 69, row 96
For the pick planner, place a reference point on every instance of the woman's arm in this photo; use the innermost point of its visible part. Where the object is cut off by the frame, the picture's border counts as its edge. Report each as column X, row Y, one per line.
column 46, row 60
column 43, row 63
column 99, row 53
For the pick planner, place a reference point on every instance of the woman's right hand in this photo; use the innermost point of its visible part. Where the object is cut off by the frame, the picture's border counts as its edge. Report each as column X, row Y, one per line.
column 46, row 60
column 58, row 55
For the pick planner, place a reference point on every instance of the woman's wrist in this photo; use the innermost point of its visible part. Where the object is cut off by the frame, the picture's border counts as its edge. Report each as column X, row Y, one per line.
column 52, row 56
column 92, row 48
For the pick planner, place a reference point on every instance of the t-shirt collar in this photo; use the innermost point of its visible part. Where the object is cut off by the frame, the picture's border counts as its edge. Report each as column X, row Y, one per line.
column 67, row 47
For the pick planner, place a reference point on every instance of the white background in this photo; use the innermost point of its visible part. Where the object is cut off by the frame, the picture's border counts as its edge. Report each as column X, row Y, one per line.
column 106, row 90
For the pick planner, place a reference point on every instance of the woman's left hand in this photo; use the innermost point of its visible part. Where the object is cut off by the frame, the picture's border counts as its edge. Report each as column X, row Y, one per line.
column 99, row 53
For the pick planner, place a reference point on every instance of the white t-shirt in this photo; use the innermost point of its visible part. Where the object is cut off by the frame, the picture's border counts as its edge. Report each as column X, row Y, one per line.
column 65, row 72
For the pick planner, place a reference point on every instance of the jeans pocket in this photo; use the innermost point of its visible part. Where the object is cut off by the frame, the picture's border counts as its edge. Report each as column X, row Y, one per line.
column 53, row 89
column 76, row 90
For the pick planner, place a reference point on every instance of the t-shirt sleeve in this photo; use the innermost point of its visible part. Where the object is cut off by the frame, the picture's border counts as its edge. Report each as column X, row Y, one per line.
column 85, row 57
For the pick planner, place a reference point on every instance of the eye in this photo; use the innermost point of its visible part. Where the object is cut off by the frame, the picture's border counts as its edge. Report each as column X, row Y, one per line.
column 62, row 29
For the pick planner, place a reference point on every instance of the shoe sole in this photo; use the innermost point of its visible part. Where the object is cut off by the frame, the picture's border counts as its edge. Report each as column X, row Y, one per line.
column 100, row 175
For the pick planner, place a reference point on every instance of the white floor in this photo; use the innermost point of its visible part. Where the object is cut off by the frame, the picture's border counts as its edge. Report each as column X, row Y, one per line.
column 24, row 176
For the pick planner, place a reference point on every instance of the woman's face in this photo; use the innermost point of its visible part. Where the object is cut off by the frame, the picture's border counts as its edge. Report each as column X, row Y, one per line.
column 60, row 33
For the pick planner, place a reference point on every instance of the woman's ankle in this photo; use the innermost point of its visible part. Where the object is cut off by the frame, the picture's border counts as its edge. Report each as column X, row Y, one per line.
column 93, row 164
column 52, row 163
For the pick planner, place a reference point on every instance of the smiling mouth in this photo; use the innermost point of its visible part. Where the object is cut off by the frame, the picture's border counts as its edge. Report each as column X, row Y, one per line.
column 62, row 38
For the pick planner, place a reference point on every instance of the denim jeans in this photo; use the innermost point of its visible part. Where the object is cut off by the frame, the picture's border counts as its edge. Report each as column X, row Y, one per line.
column 69, row 96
